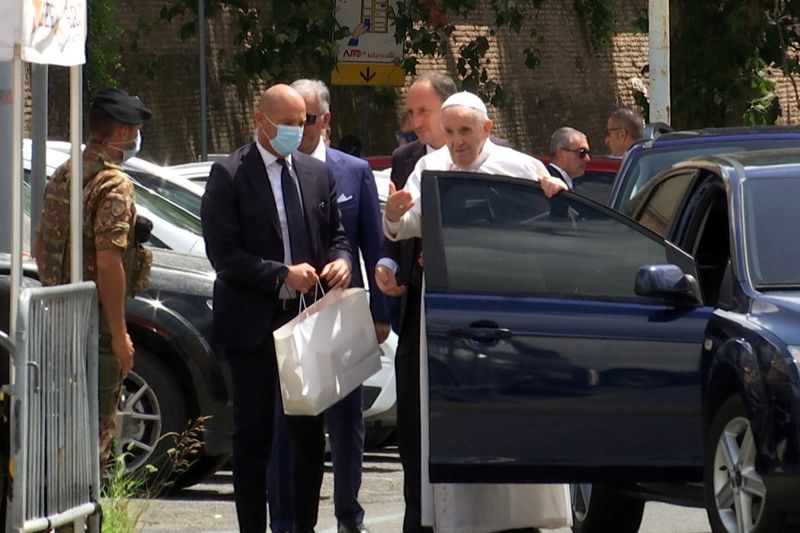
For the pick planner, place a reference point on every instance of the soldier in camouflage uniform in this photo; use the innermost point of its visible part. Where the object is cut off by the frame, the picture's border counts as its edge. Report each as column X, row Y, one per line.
column 112, row 258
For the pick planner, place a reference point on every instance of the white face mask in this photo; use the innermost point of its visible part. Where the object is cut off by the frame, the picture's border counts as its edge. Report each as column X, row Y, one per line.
column 127, row 153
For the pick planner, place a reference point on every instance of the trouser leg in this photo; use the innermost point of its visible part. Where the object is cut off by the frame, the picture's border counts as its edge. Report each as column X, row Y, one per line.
column 345, row 425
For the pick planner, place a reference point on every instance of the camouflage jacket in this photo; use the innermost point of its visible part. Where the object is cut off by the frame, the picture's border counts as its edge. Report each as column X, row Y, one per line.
column 109, row 216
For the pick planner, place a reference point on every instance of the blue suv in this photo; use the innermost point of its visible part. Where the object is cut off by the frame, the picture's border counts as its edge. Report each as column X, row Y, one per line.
column 570, row 343
column 662, row 147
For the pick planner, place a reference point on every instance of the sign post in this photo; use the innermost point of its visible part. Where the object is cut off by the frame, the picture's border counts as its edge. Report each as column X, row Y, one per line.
column 369, row 56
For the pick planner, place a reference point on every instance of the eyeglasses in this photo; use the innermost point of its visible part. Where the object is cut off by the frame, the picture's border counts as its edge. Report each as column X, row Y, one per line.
column 580, row 152
column 609, row 130
column 311, row 118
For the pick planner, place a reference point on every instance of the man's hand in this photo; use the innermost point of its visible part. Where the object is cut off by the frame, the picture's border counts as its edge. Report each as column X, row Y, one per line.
column 387, row 281
column 122, row 346
column 382, row 331
column 398, row 203
column 336, row 274
column 301, row 278
column 551, row 186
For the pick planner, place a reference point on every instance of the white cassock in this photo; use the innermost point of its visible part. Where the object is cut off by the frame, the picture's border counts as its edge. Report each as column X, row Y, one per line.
column 465, row 507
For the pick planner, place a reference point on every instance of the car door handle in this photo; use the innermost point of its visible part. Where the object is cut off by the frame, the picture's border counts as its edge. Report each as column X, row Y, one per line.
column 481, row 334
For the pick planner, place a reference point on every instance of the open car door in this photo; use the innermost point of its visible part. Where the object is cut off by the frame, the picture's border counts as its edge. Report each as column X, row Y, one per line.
column 544, row 364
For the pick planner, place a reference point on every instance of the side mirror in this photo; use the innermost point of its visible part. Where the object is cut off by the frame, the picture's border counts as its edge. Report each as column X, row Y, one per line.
column 668, row 282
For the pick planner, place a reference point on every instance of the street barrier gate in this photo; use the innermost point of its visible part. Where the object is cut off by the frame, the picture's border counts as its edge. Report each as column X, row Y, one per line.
column 54, row 433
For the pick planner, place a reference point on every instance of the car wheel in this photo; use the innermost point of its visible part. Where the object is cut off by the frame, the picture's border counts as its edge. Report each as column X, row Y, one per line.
column 602, row 508
column 736, row 495
column 150, row 406
column 200, row 469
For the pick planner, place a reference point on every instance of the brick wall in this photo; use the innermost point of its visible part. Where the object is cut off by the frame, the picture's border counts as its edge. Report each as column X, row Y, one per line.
column 572, row 86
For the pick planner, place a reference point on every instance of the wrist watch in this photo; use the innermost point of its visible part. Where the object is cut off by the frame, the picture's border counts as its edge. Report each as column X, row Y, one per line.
column 283, row 271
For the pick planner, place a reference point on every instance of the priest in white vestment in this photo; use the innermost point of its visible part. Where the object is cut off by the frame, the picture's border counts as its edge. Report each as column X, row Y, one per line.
column 472, row 508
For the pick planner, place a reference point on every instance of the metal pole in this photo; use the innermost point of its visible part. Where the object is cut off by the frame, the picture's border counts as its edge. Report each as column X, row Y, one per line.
column 6, row 99
column 365, row 121
column 76, row 192
column 16, row 187
column 660, row 110
column 39, row 142
column 201, row 13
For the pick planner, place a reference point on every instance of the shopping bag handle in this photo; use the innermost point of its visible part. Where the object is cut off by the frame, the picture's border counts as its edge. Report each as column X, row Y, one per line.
column 317, row 291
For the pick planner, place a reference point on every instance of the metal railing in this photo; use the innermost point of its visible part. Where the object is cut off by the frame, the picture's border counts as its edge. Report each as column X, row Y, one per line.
column 54, row 420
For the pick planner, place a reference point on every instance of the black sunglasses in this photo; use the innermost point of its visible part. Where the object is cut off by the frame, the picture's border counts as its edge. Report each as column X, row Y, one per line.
column 581, row 152
column 311, row 118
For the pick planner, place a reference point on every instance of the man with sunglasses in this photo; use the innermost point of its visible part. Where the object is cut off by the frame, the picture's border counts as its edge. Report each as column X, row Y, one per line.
column 623, row 128
column 569, row 154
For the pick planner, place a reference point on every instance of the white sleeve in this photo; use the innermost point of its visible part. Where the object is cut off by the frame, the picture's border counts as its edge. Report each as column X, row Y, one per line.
column 410, row 225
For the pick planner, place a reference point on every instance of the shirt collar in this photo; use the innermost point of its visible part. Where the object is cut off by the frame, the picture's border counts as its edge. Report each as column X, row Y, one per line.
column 269, row 158
column 483, row 155
column 319, row 151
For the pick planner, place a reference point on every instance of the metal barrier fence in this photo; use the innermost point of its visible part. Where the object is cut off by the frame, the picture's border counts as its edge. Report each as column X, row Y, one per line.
column 54, row 433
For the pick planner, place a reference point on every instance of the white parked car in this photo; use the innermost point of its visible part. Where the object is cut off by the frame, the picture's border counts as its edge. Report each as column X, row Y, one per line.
column 174, row 228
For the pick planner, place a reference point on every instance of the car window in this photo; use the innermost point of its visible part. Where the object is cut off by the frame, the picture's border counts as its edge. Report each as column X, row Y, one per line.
column 650, row 162
column 657, row 204
column 772, row 245
column 167, row 210
column 595, row 185
column 172, row 192
column 510, row 237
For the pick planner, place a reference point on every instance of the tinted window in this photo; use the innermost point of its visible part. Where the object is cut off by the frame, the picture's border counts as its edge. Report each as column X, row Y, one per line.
column 651, row 162
column 167, row 210
column 595, row 185
column 655, row 206
column 515, row 241
column 172, row 192
column 772, row 242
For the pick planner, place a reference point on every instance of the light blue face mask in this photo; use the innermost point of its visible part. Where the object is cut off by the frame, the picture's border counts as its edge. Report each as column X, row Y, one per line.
column 287, row 139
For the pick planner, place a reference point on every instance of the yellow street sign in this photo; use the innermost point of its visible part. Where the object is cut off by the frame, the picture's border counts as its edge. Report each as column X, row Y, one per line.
column 368, row 74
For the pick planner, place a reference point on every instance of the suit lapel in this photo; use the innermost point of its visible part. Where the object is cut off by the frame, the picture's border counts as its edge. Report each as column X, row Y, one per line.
column 257, row 174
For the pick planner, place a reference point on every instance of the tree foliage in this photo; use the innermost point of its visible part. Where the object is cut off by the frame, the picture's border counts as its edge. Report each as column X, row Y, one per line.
column 722, row 55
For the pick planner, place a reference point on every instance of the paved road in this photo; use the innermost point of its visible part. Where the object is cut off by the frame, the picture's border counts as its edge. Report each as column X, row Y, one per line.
column 209, row 507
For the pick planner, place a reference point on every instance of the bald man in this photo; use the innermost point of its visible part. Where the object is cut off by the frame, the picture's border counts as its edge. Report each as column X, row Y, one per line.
column 272, row 231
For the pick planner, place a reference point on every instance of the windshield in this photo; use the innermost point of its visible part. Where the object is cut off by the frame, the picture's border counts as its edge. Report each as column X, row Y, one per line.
column 167, row 210
column 772, row 241
column 650, row 162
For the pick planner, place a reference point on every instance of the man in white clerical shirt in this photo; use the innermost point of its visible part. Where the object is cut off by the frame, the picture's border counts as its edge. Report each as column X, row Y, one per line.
column 473, row 508
column 468, row 147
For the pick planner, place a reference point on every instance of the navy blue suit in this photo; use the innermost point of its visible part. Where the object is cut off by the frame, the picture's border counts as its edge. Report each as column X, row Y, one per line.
column 244, row 243
column 361, row 218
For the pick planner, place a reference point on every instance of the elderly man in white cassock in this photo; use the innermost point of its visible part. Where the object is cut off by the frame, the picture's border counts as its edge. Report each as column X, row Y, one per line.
column 473, row 508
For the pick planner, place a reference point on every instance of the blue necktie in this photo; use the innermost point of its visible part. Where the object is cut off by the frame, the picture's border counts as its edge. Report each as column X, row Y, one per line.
column 298, row 230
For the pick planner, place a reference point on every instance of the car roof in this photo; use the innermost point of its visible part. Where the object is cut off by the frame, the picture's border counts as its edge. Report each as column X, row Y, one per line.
column 772, row 163
column 719, row 134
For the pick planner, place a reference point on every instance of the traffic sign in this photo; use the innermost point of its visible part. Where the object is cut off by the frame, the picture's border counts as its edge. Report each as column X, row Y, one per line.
column 369, row 55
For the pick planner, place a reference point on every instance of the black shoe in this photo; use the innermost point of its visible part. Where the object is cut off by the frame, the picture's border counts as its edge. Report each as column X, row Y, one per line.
column 359, row 528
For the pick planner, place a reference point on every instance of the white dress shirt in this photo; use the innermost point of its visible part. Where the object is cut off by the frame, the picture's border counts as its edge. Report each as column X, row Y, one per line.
column 492, row 159
column 274, row 176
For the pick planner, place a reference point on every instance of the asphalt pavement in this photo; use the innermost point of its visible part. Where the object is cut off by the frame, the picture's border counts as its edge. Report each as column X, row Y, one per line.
column 208, row 507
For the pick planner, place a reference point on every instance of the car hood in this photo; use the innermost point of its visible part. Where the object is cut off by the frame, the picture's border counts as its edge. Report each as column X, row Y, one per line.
column 183, row 273
column 780, row 313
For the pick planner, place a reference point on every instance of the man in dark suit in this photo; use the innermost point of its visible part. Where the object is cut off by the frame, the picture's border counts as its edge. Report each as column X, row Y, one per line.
column 361, row 218
column 272, row 230
column 399, row 274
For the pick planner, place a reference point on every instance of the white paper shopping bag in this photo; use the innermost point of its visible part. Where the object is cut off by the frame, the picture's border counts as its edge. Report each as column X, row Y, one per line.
column 326, row 352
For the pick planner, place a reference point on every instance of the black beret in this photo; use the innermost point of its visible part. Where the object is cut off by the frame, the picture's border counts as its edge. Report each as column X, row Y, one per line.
column 122, row 106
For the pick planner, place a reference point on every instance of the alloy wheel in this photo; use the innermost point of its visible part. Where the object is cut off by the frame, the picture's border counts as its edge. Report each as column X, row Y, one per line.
column 739, row 490
column 138, row 421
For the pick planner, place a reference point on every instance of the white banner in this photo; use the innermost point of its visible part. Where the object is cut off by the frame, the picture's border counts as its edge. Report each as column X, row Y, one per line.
column 54, row 32
column 10, row 26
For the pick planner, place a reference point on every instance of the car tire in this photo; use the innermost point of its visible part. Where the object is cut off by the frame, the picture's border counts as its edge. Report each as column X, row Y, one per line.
column 201, row 468
column 603, row 508
column 730, row 442
column 150, row 406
